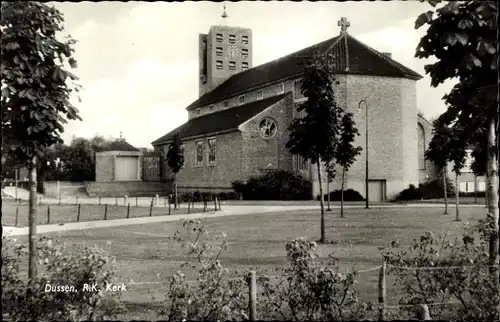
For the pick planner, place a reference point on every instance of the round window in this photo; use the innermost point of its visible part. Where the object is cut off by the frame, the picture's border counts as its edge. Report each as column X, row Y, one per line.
column 268, row 128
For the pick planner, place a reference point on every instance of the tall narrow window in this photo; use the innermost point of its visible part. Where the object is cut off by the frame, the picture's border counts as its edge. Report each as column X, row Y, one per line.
column 199, row 153
column 297, row 90
column 211, row 151
column 244, row 39
column 242, row 99
column 421, row 146
column 232, row 65
column 281, row 88
column 300, row 163
column 232, row 39
column 244, row 52
column 244, row 65
column 218, row 37
column 218, row 51
column 219, row 64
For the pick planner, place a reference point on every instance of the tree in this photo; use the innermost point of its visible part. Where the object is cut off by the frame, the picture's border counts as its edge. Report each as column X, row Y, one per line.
column 438, row 153
column 463, row 39
column 331, row 172
column 346, row 152
column 315, row 135
column 36, row 89
column 457, row 155
column 175, row 160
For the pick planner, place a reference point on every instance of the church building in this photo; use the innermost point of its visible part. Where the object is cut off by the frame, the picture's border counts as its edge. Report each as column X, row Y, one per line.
column 238, row 127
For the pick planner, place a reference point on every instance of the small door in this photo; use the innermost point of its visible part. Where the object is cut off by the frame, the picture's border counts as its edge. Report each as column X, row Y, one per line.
column 127, row 168
column 376, row 190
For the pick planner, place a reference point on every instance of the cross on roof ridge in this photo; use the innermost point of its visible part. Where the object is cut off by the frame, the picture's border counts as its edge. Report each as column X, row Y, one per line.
column 343, row 23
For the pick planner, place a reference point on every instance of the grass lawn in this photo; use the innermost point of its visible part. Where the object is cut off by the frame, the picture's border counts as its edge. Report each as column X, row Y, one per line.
column 145, row 254
column 65, row 213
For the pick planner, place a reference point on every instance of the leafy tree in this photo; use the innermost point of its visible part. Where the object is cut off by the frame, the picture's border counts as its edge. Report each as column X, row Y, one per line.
column 331, row 172
column 315, row 135
column 438, row 153
column 175, row 160
column 463, row 39
column 36, row 89
column 457, row 155
column 346, row 152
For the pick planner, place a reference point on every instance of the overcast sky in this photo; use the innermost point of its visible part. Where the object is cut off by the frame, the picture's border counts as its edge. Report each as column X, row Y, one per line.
column 138, row 61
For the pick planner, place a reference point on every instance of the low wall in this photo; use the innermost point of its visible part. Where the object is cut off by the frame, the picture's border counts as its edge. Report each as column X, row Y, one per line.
column 129, row 188
column 182, row 189
column 66, row 188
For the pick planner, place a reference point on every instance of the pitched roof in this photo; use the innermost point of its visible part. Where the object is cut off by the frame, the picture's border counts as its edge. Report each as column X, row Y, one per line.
column 222, row 121
column 119, row 145
column 361, row 60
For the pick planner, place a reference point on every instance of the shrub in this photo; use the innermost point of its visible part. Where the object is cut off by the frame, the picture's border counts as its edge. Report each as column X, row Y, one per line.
column 58, row 265
column 275, row 185
column 349, row 195
column 215, row 296
column 410, row 193
column 229, row 196
column 308, row 290
column 428, row 190
column 465, row 278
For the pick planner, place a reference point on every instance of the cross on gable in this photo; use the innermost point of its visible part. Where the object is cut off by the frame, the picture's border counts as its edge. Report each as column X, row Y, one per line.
column 343, row 23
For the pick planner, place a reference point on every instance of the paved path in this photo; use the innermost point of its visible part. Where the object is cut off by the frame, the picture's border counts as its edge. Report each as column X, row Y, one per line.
column 227, row 210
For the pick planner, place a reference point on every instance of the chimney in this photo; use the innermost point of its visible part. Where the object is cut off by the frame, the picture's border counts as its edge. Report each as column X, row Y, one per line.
column 388, row 55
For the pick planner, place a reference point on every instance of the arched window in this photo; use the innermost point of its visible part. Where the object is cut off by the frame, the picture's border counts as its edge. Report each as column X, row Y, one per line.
column 421, row 146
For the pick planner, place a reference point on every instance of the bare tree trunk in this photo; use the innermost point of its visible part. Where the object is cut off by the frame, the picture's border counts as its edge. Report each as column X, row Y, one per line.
column 175, row 191
column 492, row 187
column 322, row 203
column 486, row 198
column 445, row 187
column 328, row 193
column 457, row 195
column 342, row 194
column 475, row 189
column 32, row 220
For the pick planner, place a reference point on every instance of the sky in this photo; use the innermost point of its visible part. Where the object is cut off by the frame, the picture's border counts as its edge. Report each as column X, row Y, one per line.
column 138, row 61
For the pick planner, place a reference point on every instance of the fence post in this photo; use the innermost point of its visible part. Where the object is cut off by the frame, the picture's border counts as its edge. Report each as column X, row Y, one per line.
column 215, row 203
column 204, row 204
column 99, row 200
column 189, row 206
column 125, row 200
column 17, row 216
column 136, row 202
column 151, row 209
column 252, row 287
column 105, row 211
column 382, row 292
column 116, row 201
column 218, row 201
column 48, row 214
column 423, row 312
column 169, row 206
column 128, row 211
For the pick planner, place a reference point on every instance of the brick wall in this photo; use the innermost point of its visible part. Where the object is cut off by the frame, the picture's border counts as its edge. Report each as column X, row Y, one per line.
column 66, row 188
column 105, row 167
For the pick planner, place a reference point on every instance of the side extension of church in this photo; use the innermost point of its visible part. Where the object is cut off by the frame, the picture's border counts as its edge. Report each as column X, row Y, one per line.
column 238, row 127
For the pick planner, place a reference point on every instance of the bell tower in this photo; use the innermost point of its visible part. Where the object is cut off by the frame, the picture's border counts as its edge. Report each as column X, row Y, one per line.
column 223, row 52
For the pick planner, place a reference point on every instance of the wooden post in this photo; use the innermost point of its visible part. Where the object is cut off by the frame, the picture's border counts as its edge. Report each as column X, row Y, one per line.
column 169, row 206
column 382, row 292
column 116, row 201
column 78, row 215
column 99, row 200
column 189, row 207
column 128, row 211
column 105, row 211
column 218, row 201
column 204, row 205
column 215, row 203
column 423, row 312
column 151, row 209
column 252, row 287
column 17, row 216
column 136, row 202
column 48, row 214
